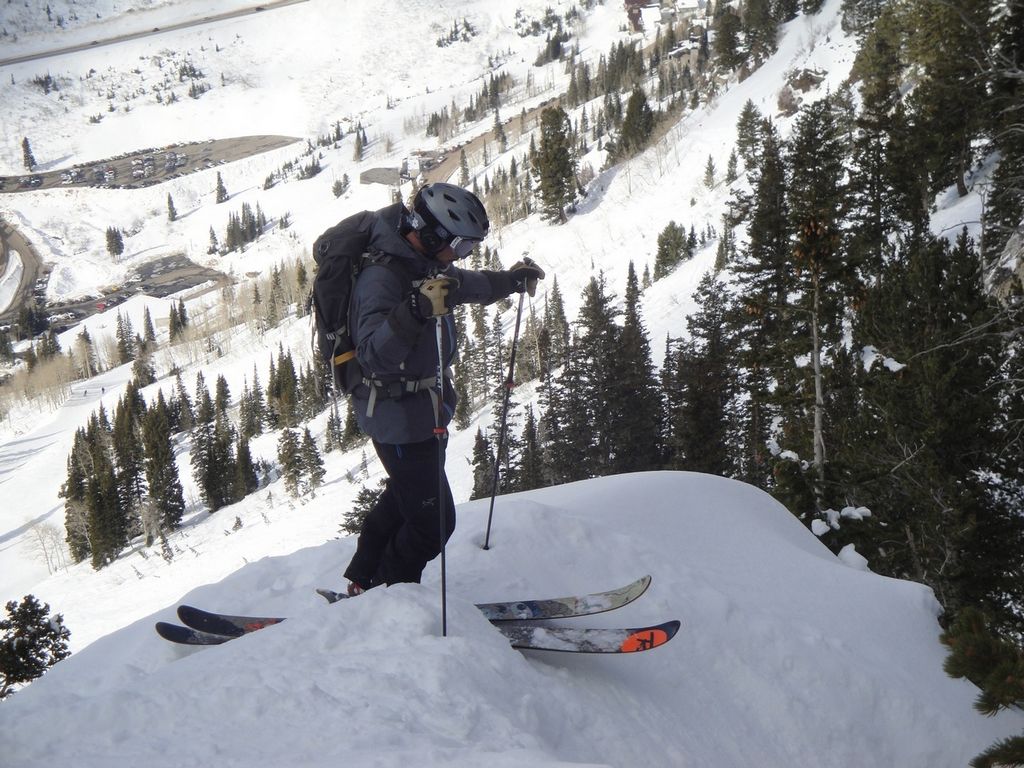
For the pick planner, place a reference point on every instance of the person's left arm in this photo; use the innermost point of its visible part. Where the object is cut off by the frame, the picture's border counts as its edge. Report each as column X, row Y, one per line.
column 486, row 286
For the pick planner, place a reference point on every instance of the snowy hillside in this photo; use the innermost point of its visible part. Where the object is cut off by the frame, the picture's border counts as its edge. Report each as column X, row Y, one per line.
column 786, row 657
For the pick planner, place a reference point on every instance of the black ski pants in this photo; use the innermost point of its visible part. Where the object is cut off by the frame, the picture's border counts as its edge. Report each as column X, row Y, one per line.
column 402, row 532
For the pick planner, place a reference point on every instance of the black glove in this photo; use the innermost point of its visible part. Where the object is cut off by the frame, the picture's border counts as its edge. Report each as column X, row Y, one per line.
column 524, row 275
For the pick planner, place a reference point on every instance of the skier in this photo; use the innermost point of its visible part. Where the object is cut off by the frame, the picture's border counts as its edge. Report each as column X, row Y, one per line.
column 395, row 304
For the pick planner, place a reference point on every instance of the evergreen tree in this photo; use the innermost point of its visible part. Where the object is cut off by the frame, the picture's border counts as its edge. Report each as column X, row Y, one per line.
column 213, row 458
column 143, row 371
column 637, row 125
column 483, row 467
column 129, row 457
column 289, row 457
column 748, row 134
column 875, row 176
column 996, row 666
column 107, row 523
column 312, row 462
column 204, row 410
column 333, row 438
column 815, row 314
column 182, row 416
column 590, row 375
column 731, row 169
column 28, row 158
column 765, row 278
column 223, row 469
column 555, row 337
column 31, row 641
column 366, row 499
column 182, row 314
column 859, row 16
column 671, row 251
column 634, row 398
column 728, row 50
column 174, row 326
column 463, row 169
column 221, row 192
column 245, row 480
column 760, row 29
column 148, row 331
column 556, row 164
column 283, row 391
column 1003, row 210
column 920, row 447
column 172, row 212
column 949, row 42
column 699, row 422
column 75, row 493
column 125, row 335
column 709, row 173
column 223, row 395
column 161, row 468
column 115, row 241
column 202, row 459
column 352, row 434
column 249, row 420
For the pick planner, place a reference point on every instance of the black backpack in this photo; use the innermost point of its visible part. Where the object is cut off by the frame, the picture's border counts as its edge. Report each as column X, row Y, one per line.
column 340, row 254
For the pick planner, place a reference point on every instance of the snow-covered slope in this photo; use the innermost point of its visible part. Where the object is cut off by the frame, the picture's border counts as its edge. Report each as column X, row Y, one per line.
column 786, row 657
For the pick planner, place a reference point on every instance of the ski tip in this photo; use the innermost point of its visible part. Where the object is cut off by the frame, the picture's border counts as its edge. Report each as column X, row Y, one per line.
column 176, row 633
column 650, row 637
column 330, row 595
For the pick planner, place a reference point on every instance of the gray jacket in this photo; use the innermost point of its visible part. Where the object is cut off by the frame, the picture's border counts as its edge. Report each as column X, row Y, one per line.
column 396, row 348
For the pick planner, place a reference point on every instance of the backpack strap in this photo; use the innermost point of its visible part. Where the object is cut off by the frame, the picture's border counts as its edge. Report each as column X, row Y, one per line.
column 396, row 390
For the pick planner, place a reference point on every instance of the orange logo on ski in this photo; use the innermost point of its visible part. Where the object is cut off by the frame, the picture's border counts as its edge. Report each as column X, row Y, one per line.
column 252, row 626
column 644, row 640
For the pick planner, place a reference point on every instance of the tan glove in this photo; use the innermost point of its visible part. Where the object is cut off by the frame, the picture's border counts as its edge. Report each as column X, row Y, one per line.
column 435, row 291
column 525, row 275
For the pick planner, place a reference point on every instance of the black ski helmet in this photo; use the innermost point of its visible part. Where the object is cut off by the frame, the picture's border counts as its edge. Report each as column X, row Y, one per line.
column 445, row 213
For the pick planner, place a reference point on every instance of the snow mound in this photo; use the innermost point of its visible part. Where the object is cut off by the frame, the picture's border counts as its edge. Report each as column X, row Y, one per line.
column 778, row 635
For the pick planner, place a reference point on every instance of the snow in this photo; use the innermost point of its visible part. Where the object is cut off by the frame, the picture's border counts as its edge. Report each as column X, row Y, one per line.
column 870, row 355
column 788, row 655
column 778, row 635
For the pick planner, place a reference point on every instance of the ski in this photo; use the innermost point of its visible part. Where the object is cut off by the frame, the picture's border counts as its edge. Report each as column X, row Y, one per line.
column 565, row 607
column 187, row 636
column 221, row 623
column 590, row 639
column 518, row 610
column 532, row 638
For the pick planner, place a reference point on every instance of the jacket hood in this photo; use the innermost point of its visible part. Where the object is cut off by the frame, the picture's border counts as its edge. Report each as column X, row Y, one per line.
column 386, row 235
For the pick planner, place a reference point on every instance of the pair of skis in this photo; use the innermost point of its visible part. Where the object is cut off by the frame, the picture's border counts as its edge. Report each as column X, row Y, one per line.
column 206, row 628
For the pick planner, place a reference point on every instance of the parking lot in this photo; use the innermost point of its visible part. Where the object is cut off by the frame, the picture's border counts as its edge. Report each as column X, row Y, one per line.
column 145, row 167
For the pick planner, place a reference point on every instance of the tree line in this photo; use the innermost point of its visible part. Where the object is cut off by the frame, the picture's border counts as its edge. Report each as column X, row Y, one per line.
column 122, row 476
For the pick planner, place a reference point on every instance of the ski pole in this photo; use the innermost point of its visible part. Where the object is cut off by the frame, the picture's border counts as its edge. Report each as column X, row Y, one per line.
column 504, row 419
column 440, row 432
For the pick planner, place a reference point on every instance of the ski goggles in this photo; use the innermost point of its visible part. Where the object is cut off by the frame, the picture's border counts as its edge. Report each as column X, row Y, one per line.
column 463, row 246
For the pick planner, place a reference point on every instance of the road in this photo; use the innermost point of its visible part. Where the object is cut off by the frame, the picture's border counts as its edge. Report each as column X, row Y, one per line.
column 214, row 17
column 11, row 239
